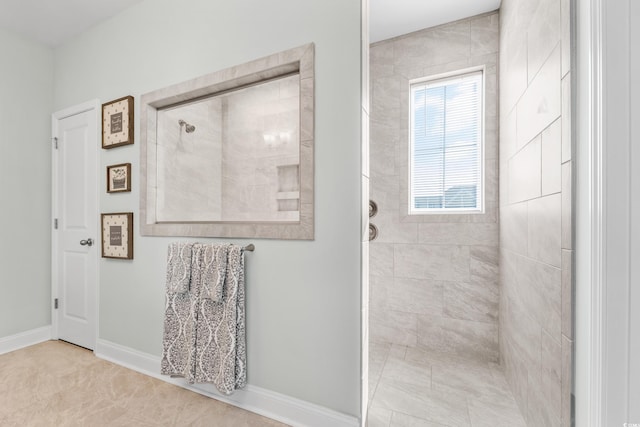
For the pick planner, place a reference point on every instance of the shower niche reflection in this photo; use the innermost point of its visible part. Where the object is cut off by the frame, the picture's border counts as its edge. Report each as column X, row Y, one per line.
column 231, row 154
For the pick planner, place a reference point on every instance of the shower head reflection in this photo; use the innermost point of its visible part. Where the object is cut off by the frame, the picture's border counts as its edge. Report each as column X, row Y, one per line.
column 187, row 127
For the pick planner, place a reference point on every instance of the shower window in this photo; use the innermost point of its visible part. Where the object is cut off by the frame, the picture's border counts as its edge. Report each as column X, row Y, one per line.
column 446, row 146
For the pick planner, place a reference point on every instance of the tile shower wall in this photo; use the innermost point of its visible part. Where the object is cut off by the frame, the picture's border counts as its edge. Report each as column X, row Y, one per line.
column 198, row 151
column 535, row 207
column 260, row 154
column 433, row 278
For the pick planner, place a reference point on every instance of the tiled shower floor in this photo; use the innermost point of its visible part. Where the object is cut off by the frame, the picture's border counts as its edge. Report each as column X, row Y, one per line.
column 414, row 388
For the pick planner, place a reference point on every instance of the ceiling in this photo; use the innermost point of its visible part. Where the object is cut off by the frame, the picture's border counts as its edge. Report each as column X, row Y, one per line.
column 391, row 18
column 53, row 22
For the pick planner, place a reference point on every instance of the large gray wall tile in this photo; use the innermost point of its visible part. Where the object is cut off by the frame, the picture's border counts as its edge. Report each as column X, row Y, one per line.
column 565, row 11
column 545, row 229
column 567, row 293
column 418, row 296
column 513, row 228
column 524, row 172
column 485, row 34
column 539, row 411
column 468, row 301
column 551, row 163
column 513, row 63
column 543, row 34
column 567, row 381
column 392, row 230
column 444, row 233
column 551, row 374
column 485, row 234
column 381, row 59
column 475, row 340
column 567, row 215
column 381, row 259
column 523, row 335
column 539, row 288
column 566, row 118
column 394, row 327
column 540, row 104
column 508, row 136
column 444, row 262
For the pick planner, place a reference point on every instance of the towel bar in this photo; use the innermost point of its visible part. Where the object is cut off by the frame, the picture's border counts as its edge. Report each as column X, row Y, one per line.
column 251, row 247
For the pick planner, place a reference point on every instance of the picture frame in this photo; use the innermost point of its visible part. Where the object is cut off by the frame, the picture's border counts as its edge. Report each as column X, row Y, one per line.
column 117, row 235
column 117, row 122
column 119, row 178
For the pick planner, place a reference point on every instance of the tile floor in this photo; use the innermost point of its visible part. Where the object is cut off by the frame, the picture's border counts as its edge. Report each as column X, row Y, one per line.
column 56, row 384
column 414, row 388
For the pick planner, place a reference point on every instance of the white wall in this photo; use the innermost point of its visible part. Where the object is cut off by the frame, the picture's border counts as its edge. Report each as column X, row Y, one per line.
column 26, row 91
column 303, row 298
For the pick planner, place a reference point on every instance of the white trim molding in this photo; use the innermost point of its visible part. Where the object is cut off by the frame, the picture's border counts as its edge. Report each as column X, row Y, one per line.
column 589, row 216
column 25, row 339
column 294, row 412
column 588, row 378
column 607, row 272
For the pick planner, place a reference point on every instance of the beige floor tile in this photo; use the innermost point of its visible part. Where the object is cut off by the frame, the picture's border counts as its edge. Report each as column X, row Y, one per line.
column 59, row 384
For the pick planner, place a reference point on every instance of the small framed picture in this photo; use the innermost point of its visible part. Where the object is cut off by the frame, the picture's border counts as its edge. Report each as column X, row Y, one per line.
column 117, row 122
column 117, row 235
column 119, row 178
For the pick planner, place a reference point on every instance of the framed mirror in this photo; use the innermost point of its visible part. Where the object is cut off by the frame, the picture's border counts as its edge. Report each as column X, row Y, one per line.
column 230, row 154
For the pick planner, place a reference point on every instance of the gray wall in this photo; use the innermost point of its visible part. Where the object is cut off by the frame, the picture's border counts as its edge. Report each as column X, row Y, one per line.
column 434, row 278
column 303, row 297
column 26, row 92
column 536, row 330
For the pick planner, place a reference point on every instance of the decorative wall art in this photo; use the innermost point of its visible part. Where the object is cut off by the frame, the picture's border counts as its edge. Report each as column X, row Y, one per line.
column 119, row 178
column 117, row 122
column 117, row 235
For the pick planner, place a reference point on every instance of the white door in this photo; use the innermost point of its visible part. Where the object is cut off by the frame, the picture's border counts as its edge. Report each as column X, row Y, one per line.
column 75, row 235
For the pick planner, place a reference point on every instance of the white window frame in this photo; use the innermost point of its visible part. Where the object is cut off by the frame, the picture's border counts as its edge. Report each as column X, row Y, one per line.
column 433, row 81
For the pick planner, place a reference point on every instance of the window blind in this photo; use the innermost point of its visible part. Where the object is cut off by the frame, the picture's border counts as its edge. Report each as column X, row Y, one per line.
column 446, row 144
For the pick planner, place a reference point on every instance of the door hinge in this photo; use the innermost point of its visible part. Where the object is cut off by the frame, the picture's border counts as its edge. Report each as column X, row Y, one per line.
column 55, row 223
column 55, row 303
column 55, row 142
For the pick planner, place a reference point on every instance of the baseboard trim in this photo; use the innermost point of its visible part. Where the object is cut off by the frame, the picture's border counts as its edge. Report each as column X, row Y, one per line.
column 286, row 409
column 25, row 339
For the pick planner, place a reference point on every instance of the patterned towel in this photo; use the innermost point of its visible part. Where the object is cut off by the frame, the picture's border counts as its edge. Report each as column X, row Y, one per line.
column 179, row 267
column 178, row 344
column 220, row 331
column 214, row 270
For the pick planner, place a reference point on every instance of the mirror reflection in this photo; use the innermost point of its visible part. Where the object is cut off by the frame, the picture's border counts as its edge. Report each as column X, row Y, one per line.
column 231, row 153
column 231, row 157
